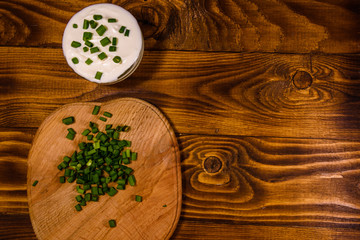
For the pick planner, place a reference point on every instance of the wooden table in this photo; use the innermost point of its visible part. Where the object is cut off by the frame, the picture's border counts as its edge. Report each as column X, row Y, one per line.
column 264, row 97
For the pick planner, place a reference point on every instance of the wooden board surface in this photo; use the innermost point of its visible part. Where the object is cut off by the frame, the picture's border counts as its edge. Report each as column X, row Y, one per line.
column 248, row 94
column 288, row 26
column 157, row 171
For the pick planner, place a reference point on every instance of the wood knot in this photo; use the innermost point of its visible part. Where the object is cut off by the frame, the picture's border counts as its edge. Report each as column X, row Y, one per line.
column 302, row 79
column 212, row 164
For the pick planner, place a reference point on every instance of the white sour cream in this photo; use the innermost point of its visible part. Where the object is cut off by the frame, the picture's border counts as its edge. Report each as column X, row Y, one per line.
column 129, row 48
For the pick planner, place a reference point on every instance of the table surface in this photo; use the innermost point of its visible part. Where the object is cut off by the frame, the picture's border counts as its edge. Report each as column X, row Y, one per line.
column 264, row 98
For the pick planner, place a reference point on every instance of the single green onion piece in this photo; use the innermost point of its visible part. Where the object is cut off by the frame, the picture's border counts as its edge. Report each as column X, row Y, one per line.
column 102, row 56
column 112, row 20
column 78, row 198
column 132, row 180
column 87, row 197
column 75, row 60
column 98, row 75
column 66, row 159
column 62, row 179
column 112, row 223
column 85, row 132
column 93, row 24
column 97, row 17
column 88, row 61
column 138, row 198
column 68, row 120
column 103, row 119
column 94, row 130
column 114, row 41
column 112, row 49
column 108, row 126
column 86, row 24
column 87, row 36
column 164, row 205
column 112, row 191
column 78, row 207
column 94, row 198
column 120, row 187
column 117, row 59
column 75, row 25
column 83, row 202
column 94, row 50
column 116, row 135
column 90, row 137
column 107, row 114
column 127, row 33
column 75, row 44
column 70, row 136
column 89, row 44
column 71, row 130
column 85, row 49
column 35, row 182
column 133, row 156
column 96, row 110
column 101, row 30
column 122, row 29
column 105, row 41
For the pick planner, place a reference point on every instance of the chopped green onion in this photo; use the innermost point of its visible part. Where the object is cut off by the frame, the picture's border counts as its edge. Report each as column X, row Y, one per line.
column 164, row 205
column 68, row 120
column 114, row 41
column 112, row 223
column 103, row 119
column 112, row 191
column 112, row 49
column 101, row 30
column 88, row 61
column 112, row 20
column 75, row 60
column 108, row 126
column 86, row 24
column 132, row 180
column 122, row 29
column 78, row 207
column 70, row 136
column 85, row 132
column 96, row 110
column 62, row 179
column 88, row 43
column 78, row 198
column 105, row 41
column 133, row 156
column 102, row 56
column 107, row 114
column 117, row 59
column 97, row 17
column 75, row 44
column 85, row 49
column 138, row 198
column 75, row 25
column 90, row 137
column 71, row 130
column 87, row 36
column 93, row 24
column 98, row 75
column 94, row 50
column 35, row 182
column 127, row 33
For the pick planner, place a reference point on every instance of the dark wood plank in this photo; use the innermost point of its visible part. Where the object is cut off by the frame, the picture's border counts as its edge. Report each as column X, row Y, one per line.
column 238, row 180
column 251, row 94
column 288, row 26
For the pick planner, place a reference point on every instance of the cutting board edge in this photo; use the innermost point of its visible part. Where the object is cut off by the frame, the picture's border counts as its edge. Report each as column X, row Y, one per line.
column 169, row 129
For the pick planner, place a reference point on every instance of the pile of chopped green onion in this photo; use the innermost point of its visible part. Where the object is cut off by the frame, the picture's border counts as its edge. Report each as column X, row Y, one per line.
column 100, row 165
column 100, row 30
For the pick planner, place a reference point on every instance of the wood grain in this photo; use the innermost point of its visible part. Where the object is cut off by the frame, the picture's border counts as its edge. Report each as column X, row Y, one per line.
column 288, row 26
column 157, row 171
column 199, row 92
column 282, row 186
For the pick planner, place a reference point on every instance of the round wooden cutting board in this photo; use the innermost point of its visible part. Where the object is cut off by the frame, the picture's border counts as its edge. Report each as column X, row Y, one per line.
column 157, row 172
